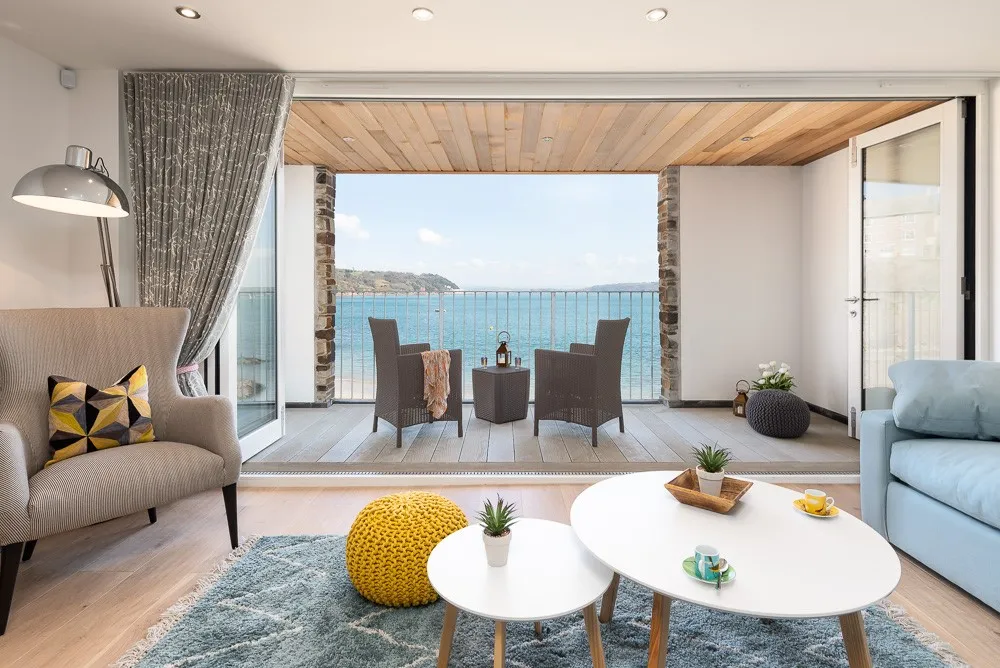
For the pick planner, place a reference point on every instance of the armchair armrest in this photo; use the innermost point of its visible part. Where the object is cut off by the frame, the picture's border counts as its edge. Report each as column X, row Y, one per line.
column 13, row 486
column 210, row 423
column 583, row 348
column 410, row 348
column 878, row 433
column 564, row 380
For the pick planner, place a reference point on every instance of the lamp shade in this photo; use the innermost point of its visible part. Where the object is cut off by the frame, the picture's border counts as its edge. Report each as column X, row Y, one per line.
column 74, row 187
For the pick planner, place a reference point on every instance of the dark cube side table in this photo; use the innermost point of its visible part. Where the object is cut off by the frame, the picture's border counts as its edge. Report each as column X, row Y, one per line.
column 500, row 394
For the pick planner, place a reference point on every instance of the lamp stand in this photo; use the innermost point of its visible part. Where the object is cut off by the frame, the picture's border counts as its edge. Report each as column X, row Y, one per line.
column 108, row 263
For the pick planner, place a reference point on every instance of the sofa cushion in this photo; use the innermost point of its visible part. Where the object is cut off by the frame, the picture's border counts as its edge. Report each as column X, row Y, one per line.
column 954, row 399
column 110, row 483
column 958, row 473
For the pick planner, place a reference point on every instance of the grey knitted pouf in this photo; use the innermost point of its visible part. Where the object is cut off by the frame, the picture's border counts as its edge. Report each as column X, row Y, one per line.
column 778, row 413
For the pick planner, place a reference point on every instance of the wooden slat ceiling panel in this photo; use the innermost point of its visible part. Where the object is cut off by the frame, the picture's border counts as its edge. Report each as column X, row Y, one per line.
column 574, row 137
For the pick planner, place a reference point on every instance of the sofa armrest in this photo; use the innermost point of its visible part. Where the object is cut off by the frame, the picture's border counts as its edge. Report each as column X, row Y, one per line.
column 878, row 433
column 210, row 423
column 13, row 485
column 411, row 348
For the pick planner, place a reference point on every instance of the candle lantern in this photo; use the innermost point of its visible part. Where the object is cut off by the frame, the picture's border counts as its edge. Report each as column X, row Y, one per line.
column 740, row 402
column 503, row 353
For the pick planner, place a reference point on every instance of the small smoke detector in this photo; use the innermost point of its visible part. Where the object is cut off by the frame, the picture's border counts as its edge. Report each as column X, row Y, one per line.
column 67, row 78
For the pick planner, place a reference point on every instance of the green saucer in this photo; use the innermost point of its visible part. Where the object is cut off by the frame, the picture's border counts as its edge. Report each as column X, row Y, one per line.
column 689, row 570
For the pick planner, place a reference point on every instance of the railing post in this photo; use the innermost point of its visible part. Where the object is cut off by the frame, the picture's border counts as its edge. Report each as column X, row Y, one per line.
column 552, row 319
column 440, row 323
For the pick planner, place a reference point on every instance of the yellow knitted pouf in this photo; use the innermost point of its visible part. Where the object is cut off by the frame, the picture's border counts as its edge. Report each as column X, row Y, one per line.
column 390, row 542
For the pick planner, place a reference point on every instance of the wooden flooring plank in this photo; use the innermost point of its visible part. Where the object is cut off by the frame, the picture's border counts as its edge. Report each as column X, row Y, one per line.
column 578, row 446
column 606, row 450
column 650, row 442
column 425, row 442
column 627, row 444
column 449, row 447
column 500, row 447
column 526, row 447
column 342, row 450
column 677, row 444
column 477, row 439
column 359, row 414
column 709, row 434
column 329, row 429
column 550, row 442
column 390, row 453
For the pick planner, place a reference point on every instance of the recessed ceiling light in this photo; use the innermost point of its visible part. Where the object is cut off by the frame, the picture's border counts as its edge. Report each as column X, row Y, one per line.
column 546, row 138
column 422, row 14
column 747, row 138
column 657, row 14
column 348, row 139
column 188, row 12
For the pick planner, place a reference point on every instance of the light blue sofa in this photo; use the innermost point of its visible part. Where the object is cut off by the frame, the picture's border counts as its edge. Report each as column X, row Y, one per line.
column 930, row 470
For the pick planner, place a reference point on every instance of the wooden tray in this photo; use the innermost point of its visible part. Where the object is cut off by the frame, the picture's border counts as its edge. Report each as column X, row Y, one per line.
column 685, row 489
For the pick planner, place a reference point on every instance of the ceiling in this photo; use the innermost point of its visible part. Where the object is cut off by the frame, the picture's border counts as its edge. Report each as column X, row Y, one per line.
column 514, row 35
column 573, row 136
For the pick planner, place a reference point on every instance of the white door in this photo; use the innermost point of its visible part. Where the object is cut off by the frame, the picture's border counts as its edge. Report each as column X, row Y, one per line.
column 905, row 295
column 251, row 371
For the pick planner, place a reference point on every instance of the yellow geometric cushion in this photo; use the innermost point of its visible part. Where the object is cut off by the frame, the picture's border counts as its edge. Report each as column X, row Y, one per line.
column 390, row 542
column 85, row 419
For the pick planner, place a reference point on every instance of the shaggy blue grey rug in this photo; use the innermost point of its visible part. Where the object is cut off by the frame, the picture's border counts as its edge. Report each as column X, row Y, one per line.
column 286, row 602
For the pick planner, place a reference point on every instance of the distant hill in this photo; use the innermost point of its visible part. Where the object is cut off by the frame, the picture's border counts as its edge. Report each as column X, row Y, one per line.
column 361, row 280
column 625, row 287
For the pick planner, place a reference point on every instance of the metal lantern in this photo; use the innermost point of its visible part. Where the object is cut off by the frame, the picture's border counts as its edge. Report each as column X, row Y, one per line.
column 503, row 353
column 740, row 402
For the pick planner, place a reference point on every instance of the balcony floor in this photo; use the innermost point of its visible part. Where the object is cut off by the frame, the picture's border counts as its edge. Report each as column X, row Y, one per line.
column 340, row 438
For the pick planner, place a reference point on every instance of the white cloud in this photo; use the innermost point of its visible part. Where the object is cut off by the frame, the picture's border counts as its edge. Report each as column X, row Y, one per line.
column 627, row 260
column 350, row 226
column 429, row 236
column 590, row 260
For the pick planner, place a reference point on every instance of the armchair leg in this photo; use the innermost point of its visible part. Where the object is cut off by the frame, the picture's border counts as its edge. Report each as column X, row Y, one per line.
column 460, row 422
column 399, row 437
column 621, row 423
column 536, row 425
column 229, row 496
column 152, row 515
column 29, row 549
column 10, row 561
column 593, row 436
column 375, row 424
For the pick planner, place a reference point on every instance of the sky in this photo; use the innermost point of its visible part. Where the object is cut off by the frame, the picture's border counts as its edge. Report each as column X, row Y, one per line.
column 500, row 230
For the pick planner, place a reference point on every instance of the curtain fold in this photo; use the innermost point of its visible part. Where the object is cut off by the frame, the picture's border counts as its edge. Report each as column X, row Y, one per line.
column 202, row 148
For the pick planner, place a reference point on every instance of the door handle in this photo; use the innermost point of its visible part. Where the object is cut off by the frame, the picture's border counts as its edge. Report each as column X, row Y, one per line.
column 852, row 300
column 869, row 299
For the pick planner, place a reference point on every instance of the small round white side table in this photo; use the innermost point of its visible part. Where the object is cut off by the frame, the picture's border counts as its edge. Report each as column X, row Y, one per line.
column 549, row 574
column 788, row 565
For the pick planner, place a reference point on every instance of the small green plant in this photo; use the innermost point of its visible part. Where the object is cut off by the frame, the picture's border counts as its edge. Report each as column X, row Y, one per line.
column 497, row 519
column 774, row 377
column 711, row 458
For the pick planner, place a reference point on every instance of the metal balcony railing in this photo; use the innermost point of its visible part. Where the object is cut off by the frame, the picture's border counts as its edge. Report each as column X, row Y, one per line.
column 471, row 320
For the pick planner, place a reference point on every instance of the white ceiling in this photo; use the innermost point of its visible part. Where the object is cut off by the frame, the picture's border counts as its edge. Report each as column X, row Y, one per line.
column 515, row 35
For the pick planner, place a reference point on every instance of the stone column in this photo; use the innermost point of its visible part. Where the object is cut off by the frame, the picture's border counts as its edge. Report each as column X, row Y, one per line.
column 668, row 246
column 326, row 285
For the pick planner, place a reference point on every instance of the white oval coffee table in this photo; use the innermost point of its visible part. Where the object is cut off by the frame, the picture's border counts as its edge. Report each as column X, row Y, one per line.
column 549, row 574
column 787, row 565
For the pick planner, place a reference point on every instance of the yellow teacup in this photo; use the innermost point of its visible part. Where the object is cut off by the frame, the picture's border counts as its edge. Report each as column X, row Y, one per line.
column 816, row 501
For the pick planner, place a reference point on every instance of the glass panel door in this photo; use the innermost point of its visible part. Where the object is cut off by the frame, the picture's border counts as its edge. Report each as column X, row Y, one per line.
column 257, row 381
column 901, row 264
column 905, row 298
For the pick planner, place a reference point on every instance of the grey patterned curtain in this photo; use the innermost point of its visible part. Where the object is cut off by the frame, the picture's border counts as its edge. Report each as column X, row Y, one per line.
column 202, row 150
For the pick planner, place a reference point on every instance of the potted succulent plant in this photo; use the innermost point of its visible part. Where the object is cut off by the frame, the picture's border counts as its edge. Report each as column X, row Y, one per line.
column 497, row 521
column 712, row 461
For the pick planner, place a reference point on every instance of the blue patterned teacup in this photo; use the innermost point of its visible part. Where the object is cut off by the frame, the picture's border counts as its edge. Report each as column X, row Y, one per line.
column 705, row 557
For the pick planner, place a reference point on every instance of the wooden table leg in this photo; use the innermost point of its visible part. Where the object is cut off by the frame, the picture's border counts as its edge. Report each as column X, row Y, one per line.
column 852, row 627
column 499, row 644
column 594, row 635
column 538, row 630
column 608, row 602
column 659, row 632
column 447, row 634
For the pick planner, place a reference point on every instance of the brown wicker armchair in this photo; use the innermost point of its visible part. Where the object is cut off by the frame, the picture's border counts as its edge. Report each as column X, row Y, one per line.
column 399, row 381
column 583, row 386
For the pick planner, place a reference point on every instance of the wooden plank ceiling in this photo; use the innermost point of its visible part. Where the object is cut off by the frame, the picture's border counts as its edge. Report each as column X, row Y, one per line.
column 574, row 136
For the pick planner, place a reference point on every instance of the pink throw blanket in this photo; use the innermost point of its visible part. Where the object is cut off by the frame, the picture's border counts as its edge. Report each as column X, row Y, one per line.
column 437, row 365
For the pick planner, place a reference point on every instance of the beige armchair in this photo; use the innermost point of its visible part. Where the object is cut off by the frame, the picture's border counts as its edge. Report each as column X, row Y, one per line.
column 197, row 447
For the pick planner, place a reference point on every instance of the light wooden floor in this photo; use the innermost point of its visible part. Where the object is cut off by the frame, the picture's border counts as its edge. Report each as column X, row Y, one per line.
column 341, row 438
column 88, row 595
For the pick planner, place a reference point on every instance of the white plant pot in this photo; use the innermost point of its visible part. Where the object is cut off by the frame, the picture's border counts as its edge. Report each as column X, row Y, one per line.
column 497, row 548
column 710, row 483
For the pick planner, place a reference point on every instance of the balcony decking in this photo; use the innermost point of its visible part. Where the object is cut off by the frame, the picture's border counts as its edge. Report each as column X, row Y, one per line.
column 340, row 438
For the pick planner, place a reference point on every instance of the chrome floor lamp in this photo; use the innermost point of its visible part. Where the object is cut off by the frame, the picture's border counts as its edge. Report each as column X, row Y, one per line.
column 82, row 188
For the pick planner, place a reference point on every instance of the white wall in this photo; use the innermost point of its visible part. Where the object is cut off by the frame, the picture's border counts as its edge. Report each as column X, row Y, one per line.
column 298, row 287
column 50, row 259
column 994, row 209
column 822, row 373
column 740, row 272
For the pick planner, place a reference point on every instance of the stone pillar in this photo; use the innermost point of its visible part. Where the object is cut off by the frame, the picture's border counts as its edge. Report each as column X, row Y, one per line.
column 668, row 246
column 326, row 284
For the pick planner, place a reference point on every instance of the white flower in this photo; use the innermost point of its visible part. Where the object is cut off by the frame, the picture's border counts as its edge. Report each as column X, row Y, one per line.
column 768, row 374
column 784, row 367
column 773, row 363
column 761, row 366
